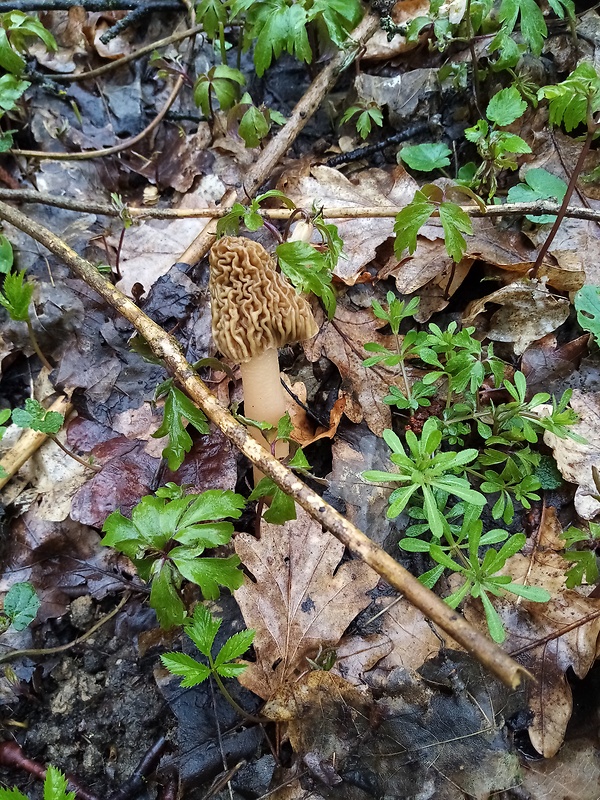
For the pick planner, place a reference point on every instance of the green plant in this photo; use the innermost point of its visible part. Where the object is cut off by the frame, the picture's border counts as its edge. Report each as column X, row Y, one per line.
column 178, row 407
column 252, row 123
column 21, row 605
column 6, row 255
column 426, row 157
column 165, row 538
column 221, row 83
column 250, row 215
column 202, row 629
column 587, row 305
column 539, row 185
column 497, row 148
column 55, row 788
column 369, row 114
column 278, row 26
column 585, row 562
column 15, row 297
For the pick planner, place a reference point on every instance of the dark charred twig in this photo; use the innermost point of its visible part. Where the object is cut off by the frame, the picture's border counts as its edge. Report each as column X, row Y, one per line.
column 370, row 149
column 48, row 651
column 94, row 5
column 315, row 417
column 126, row 22
column 148, row 764
column 11, row 755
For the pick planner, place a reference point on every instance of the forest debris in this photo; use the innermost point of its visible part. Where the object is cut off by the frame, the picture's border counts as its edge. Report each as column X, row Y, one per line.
column 575, row 460
column 298, row 601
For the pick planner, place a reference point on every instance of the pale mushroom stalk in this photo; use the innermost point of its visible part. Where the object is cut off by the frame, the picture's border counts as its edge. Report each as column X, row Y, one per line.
column 254, row 312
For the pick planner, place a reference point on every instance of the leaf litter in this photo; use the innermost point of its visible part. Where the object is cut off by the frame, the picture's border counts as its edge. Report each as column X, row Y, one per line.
column 377, row 723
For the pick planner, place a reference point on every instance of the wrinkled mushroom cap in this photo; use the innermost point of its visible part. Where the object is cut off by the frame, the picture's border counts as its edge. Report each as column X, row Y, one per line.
column 253, row 306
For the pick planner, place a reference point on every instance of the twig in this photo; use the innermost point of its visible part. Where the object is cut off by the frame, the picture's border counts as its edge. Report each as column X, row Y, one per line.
column 121, row 62
column 126, row 22
column 333, row 212
column 49, row 651
column 93, row 5
column 279, row 145
column 108, row 151
column 371, row 149
column 28, row 443
column 36, row 346
column 167, row 348
column 74, row 456
column 135, row 784
column 556, row 634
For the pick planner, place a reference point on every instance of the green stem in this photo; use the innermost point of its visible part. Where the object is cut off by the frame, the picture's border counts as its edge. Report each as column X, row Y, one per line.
column 236, row 707
column 36, row 346
column 72, row 455
column 403, row 369
column 222, row 43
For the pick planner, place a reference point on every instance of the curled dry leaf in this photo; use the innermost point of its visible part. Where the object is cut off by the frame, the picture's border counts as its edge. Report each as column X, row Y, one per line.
column 528, row 311
column 299, row 600
column 547, row 638
column 306, row 430
column 575, row 459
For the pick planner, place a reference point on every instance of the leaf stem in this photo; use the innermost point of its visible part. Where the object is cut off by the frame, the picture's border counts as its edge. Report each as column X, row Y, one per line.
column 224, row 691
column 72, row 455
column 36, row 346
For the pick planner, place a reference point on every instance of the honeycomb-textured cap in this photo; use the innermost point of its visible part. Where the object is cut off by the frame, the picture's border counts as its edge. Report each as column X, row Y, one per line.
column 253, row 306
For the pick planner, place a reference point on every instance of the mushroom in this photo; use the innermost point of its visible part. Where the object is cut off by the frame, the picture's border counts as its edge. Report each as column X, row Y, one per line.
column 254, row 312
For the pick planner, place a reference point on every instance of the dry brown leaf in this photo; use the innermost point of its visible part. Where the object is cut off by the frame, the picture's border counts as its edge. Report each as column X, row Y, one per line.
column 380, row 46
column 574, row 459
column 402, row 93
column 356, row 655
column 533, row 633
column 528, row 311
column 427, row 262
column 300, row 599
column 306, row 431
column 574, row 772
column 374, row 187
column 341, row 340
column 412, row 636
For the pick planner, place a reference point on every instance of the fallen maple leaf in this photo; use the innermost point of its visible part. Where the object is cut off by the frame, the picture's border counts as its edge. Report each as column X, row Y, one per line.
column 300, row 599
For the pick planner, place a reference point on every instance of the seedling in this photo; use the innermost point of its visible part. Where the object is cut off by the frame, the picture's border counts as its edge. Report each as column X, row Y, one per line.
column 251, row 123
column 178, row 407
column 585, row 562
column 165, row 538
column 587, row 305
column 426, row 157
column 202, row 629
column 16, row 297
column 55, row 788
column 21, row 605
column 221, row 83
column 369, row 114
column 36, row 418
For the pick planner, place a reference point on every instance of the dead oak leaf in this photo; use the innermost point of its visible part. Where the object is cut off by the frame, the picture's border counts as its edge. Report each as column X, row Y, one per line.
column 300, row 599
column 576, row 459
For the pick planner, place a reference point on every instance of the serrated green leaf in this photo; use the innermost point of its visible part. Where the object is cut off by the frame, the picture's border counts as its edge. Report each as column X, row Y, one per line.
column 308, row 270
column 55, row 785
column 234, row 647
column 281, row 510
column 211, row 13
column 507, row 105
column 426, row 157
column 209, row 573
column 165, row 599
column 11, row 89
column 16, row 294
column 178, row 406
column 11, row 794
column 213, row 504
column 35, row 417
column 192, row 671
column 455, row 222
column 202, row 629
column 408, row 223
column 21, row 605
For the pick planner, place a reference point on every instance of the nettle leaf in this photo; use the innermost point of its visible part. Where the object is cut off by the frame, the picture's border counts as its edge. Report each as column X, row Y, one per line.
column 192, row 671
column 55, row 786
column 11, row 794
column 506, row 106
column 539, row 185
column 21, row 605
column 409, row 221
column 202, row 629
column 278, row 27
column 16, row 294
column 426, row 157
column 455, row 222
column 178, row 407
column 587, row 305
column 35, row 417
column 235, row 647
column 308, row 270
column 568, row 101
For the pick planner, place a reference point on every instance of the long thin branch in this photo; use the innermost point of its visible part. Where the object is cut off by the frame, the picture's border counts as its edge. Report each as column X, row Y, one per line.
column 332, row 212
column 279, row 145
column 107, row 151
column 121, row 62
column 168, row 349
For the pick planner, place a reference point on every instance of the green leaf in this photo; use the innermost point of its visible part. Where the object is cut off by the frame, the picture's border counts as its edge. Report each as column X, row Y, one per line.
column 507, row 105
column 234, row 647
column 533, row 26
column 11, row 89
column 568, row 101
column 455, row 222
column 192, row 671
column 409, row 221
column 21, row 605
column 208, row 573
column 178, row 406
column 493, row 619
column 9, row 59
column 539, row 185
column 253, row 128
column 426, row 157
column 11, row 794
column 308, row 270
column 282, row 508
column 6, row 255
column 534, row 593
column 35, row 417
column 16, row 294
column 211, row 13
column 55, row 786
column 212, row 505
column 202, row 629
column 165, row 599
column 587, row 305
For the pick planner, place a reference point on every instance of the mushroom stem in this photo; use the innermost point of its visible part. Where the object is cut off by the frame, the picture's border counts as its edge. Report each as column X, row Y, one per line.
column 264, row 398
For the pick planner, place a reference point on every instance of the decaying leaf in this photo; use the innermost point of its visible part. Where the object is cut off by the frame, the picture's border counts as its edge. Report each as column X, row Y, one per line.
column 575, row 459
column 306, row 430
column 528, row 311
column 548, row 638
column 300, row 599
